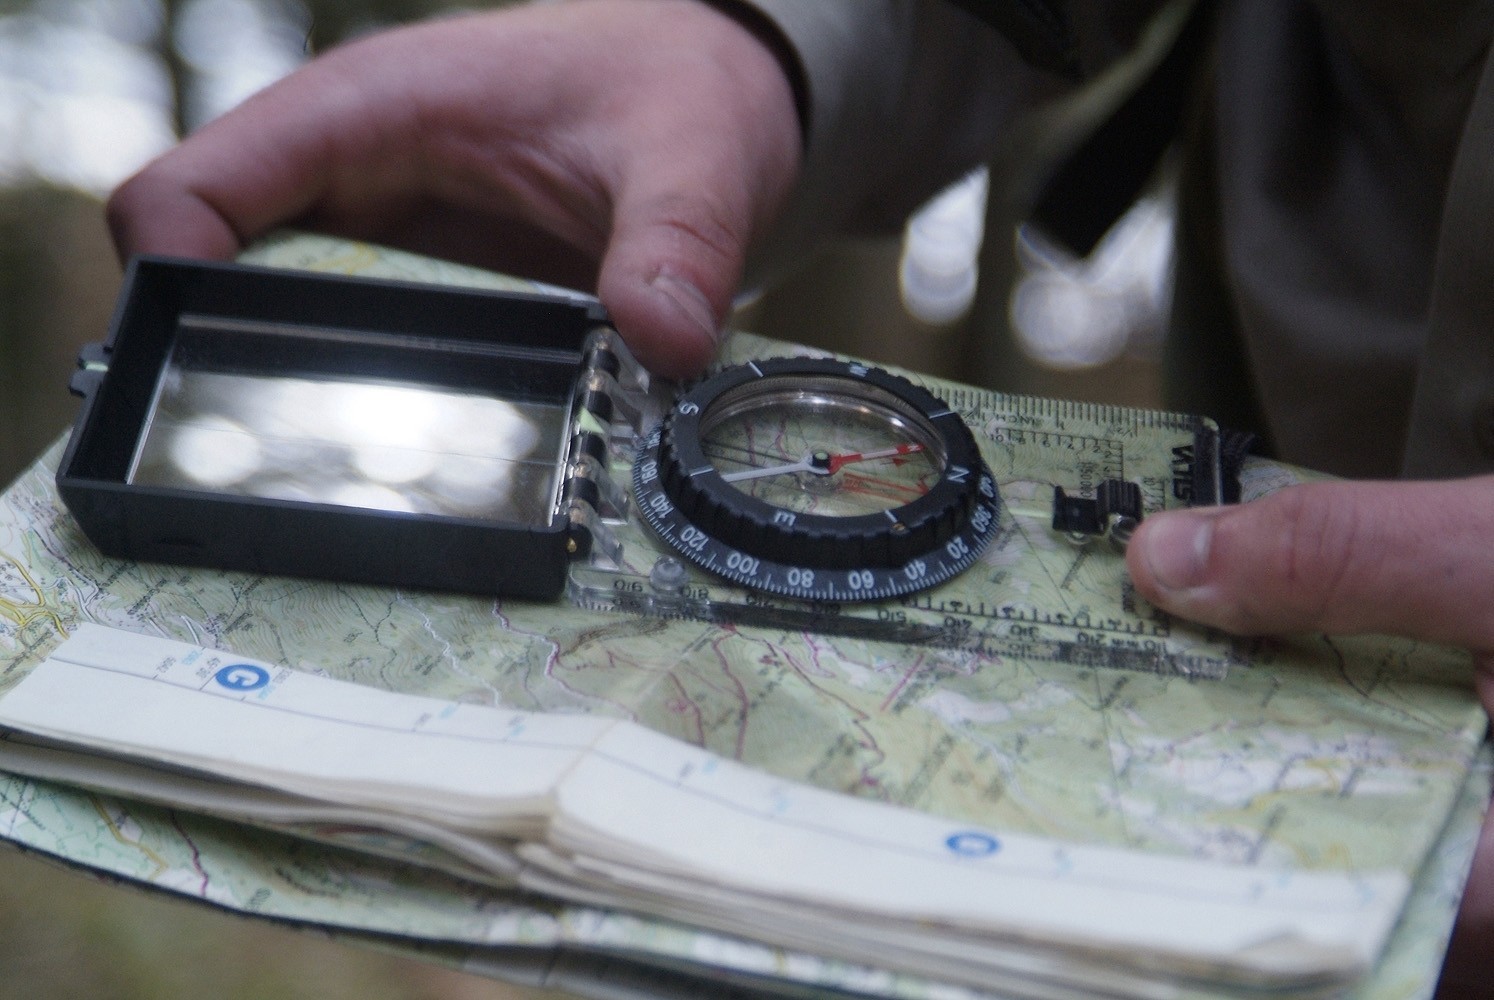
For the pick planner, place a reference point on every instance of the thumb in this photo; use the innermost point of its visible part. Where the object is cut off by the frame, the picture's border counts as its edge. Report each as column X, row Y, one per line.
column 1414, row 559
column 668, row 276
column 696, row 181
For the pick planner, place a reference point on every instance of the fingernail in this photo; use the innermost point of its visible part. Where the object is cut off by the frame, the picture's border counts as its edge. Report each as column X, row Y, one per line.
column 1177, row 549
column 691, row 302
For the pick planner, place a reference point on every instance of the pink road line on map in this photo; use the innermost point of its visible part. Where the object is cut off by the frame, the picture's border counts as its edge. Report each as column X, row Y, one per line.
column 907, row 676
column 202, row 890
column 742, row 699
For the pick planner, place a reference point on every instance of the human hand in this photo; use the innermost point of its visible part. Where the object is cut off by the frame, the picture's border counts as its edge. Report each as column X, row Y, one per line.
column 1414, row 559
column 637, row 147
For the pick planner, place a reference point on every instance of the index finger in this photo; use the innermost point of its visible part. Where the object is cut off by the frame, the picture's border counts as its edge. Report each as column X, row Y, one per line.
column 268, row 161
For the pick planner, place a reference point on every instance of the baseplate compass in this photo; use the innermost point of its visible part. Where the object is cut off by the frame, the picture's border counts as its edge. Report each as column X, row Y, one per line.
column 818, row 479
column 829, row 496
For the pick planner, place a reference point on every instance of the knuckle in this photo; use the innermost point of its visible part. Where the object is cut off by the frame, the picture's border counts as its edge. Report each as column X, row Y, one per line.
column 705, row 228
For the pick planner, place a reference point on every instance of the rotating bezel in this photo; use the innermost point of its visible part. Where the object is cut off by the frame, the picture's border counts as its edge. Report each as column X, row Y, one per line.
column 683, row 496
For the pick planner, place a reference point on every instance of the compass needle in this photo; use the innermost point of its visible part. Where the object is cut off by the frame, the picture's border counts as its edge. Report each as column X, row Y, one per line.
column 897, row 453
column 803, row 465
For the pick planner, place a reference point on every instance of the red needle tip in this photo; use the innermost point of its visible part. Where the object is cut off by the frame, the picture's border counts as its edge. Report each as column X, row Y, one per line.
column 837, row 462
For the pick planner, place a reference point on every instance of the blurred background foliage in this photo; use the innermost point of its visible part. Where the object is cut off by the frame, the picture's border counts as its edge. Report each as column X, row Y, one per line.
column 92, row 89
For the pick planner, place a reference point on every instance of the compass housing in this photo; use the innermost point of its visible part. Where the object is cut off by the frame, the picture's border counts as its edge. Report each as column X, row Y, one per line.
column 784, row 546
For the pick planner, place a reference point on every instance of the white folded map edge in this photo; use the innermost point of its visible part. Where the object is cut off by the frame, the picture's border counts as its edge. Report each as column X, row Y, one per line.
column 604, row 811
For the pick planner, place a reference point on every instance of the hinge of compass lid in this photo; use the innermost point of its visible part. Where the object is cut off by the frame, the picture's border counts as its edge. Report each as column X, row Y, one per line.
column 615, row 401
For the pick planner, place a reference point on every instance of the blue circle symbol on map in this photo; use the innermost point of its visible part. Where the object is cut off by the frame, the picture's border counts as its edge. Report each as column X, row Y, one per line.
column 242, row 677
column 972, row 844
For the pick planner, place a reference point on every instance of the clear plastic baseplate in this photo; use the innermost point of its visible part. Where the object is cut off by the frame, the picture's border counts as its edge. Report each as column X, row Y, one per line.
column 1036, row 593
